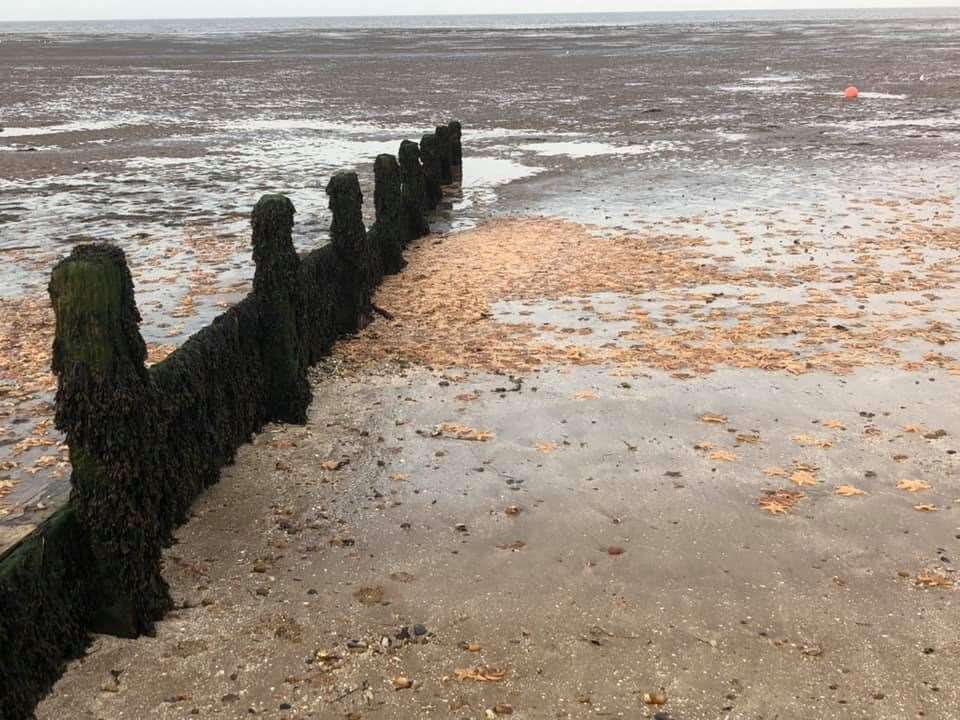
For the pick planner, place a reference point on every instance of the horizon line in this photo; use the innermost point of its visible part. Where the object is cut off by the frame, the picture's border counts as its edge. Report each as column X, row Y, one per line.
column 485, row 14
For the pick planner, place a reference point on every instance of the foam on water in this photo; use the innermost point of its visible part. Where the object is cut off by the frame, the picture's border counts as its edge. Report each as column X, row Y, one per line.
column 880, row 96
column 497, row 133
column 950, row 122
column 362, row 127
column 73, row 127
column 164, row 71
column 307, row 123
column 586, row 149
column 767, row 79
column 774, row 88
column 732, row 136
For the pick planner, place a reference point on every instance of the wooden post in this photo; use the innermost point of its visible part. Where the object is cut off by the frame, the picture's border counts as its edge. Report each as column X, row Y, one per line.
column 456, row 143
column 105, row 406
column 276, row 288
column 413, row 221
column 445, row 153
column 430, row 159
column 46, row 598
column 361, row 266
column 347, row 232
column 387, row 199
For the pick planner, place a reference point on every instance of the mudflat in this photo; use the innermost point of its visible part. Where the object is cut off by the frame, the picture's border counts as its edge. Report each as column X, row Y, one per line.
column 661, row 426
column 160, row 137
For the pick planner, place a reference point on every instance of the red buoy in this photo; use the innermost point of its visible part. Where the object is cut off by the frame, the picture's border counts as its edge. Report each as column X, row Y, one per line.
column 851, row 93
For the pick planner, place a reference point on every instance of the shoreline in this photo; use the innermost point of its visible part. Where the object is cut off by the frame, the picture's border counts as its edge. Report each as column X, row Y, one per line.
column 654, row 422
column 743, row 234
column 496, row 533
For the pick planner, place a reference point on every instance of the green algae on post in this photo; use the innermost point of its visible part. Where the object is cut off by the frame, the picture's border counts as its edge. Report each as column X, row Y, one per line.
column 102, row 401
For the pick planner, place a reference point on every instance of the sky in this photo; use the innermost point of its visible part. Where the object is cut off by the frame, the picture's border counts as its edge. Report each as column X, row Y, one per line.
column 139, row 9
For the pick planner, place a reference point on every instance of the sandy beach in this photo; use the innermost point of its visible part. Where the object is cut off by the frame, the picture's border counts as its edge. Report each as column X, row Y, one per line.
column 581, row 473
column 161, row 137
column 659, row 424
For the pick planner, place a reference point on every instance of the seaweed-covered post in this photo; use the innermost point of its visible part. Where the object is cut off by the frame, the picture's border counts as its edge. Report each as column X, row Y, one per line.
column 276, row 288
column 46, row 600
column 362, row 267
column 456, row 144
column 413, row 220
column 387, row 199
column 104, row 405
column 445, row 153
column 432, row 172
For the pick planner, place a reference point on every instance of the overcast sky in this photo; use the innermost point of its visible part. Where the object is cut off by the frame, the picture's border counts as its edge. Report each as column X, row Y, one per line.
column 115, row 9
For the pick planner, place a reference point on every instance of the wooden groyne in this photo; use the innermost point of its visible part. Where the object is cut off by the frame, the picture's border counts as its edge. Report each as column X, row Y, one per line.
column 146, row 441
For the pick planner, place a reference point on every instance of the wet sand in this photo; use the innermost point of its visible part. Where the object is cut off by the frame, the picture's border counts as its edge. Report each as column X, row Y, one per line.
column 588, row 495
column 705, row 308
column 162, row 143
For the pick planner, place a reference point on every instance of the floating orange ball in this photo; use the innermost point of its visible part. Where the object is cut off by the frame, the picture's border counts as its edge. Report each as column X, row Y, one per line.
column 851, row 93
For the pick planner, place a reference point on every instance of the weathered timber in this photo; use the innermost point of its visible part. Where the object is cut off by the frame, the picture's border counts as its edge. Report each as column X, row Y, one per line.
column 103, row 405
column 432, row 172
column 275, row 285
column 445, row 154
column 415, row 206
column 386, row 233
column 361, row 268
column 456, row 143
column 46, row 604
